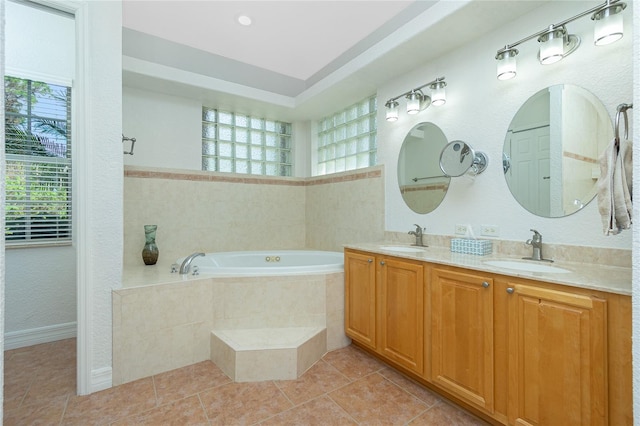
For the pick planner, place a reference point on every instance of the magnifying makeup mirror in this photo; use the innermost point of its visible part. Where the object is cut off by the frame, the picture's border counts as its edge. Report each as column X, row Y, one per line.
column 458, row 158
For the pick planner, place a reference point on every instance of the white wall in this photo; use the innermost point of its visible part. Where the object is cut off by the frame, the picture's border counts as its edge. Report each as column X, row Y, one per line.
column 40, row 290
column 168, row 129
column 635, row 124
column 98, row 168
column 478, row 111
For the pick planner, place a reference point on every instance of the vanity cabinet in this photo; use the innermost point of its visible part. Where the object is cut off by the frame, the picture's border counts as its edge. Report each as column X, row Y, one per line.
column 462, row 335
column 558, row 357
column 514, row 350
column 402, row 312
column 360, row 298
column 384, row 307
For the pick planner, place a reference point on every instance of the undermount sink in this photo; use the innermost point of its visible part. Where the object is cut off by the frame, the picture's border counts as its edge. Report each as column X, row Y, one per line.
column 525, row 266
column 402, row 249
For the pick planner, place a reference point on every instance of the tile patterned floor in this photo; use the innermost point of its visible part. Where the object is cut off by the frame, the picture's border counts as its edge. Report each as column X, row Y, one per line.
column 346, row 387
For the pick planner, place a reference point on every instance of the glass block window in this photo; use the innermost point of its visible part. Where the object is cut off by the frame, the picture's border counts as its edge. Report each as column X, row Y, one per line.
column 347, row 139
column 237, row 143
column 38, row 162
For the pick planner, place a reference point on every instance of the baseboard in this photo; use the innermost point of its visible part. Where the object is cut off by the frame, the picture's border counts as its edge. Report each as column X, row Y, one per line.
column 36, row 336
column 101, row 379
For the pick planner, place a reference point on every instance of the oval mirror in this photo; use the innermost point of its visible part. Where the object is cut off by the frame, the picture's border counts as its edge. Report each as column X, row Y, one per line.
column 551, row 150
column 422, row 183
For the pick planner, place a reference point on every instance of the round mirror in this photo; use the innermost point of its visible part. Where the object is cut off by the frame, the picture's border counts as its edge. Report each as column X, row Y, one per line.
column 457, row 158
column 422, row 183
column 551, row 150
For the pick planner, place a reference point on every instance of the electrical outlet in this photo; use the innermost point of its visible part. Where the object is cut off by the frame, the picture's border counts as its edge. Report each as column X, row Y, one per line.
column 461, row 229
column 489, row 230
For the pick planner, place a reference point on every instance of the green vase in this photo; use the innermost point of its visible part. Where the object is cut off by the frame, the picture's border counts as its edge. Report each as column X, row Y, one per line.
column 150, row 251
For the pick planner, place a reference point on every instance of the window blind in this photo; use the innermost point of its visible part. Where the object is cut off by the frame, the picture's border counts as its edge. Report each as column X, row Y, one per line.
column 38, row 162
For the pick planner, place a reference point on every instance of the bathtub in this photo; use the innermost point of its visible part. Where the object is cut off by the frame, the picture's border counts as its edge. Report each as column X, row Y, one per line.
column 268, row 262
column 261, row 315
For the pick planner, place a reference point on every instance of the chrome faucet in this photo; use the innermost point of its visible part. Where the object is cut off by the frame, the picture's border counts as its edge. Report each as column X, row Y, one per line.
column 418, row 234
column 186, row 263
column 536, row 243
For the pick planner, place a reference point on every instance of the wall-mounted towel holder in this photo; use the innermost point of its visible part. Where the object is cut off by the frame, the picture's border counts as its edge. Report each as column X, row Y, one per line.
column 133, row 142
column 622, row 111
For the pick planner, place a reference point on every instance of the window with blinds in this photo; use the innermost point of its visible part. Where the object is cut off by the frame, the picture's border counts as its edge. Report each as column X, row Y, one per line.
column 237, row 143
column 347, row 139
column 38, row 162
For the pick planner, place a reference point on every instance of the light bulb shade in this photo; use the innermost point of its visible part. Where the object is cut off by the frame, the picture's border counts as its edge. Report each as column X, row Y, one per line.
column 552, row 45
column 438, row 95
column 507, row 64
column 392, row 111
column 414, row 100
column 609, row 25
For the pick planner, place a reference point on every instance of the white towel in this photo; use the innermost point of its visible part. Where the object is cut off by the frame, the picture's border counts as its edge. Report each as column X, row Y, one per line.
column 605, row 188
column 622, row 185
column 615, row 187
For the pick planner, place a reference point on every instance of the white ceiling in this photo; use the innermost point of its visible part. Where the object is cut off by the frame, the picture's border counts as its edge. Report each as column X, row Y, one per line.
column 300, row 59
column 293, row 38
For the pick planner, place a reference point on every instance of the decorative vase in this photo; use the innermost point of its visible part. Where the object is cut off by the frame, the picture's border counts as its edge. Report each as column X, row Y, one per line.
column 150, row 251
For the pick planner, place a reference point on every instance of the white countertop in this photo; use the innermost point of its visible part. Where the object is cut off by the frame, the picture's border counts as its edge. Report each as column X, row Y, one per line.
column 612, row 279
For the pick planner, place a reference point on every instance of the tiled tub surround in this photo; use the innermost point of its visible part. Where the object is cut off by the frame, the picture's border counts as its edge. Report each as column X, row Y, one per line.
column 163, row 321
column 216, row 212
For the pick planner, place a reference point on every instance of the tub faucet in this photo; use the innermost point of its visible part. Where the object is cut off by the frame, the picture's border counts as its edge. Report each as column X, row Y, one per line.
column 536, row 243
column 186, row 263
column 418, row 234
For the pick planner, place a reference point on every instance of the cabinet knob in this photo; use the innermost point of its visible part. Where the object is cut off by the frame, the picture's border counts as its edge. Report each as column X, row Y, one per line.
column 485, row 284
column 382, row 262
column 369, row 260
column 510, row 290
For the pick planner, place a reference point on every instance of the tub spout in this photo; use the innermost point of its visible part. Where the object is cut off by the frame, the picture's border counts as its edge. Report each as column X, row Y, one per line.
column 186, row 264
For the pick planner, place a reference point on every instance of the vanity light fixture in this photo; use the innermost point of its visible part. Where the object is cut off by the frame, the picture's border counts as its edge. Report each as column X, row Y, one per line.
column 438, row 96
column 392, row 110
column 556, row 43
column 609, row 26
column 416, row 99
column 507, row 63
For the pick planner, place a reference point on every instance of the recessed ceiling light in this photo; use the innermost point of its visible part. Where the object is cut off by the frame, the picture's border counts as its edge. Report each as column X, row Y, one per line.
column 244, row 20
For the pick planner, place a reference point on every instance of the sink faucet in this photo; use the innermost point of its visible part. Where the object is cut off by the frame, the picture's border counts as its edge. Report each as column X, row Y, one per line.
column 536, row 243
column 418, row 234
column 186, row 264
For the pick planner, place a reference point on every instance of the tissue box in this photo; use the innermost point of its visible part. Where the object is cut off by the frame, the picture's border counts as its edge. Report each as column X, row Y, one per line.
column 469, row 246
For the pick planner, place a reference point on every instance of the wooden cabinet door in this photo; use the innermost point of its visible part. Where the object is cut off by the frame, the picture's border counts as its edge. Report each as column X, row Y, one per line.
column 557, row 351
column 360, row 297
column 402, row 313
column 462, row 336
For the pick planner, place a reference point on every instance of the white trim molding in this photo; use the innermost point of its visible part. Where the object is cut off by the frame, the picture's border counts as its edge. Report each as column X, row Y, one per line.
column 36, row 336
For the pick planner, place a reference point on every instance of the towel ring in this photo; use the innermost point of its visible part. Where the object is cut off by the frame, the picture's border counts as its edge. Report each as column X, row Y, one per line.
column 622, row 110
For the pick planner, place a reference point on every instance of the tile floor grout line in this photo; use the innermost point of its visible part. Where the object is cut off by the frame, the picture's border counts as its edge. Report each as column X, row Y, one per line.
column 206, row 415
column 343, row 409
column 64, row 409
column 334, row 367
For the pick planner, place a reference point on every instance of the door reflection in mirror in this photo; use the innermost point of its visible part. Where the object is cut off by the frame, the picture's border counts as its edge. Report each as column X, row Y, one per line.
column 551, row 150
